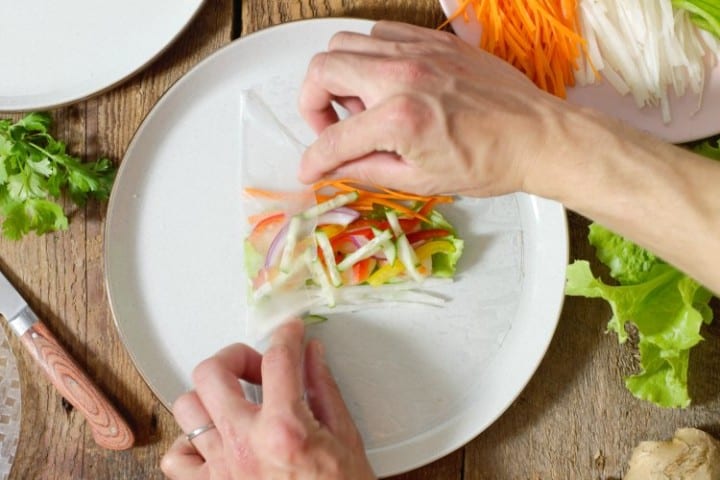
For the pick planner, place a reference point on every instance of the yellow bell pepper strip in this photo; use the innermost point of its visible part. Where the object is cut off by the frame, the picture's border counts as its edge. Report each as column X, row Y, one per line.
column 386, row 273
column 330, row 230
column 429, row 249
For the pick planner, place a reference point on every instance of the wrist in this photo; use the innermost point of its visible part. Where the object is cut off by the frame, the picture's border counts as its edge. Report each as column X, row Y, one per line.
column 575, row 146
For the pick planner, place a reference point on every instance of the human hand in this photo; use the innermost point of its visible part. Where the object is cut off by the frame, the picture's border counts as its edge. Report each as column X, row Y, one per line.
column 429, row 114
column 284, row 437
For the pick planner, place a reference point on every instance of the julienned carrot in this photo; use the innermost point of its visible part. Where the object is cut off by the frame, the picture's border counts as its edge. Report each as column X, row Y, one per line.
column 273, row 194
column 393, row 199
column 261, row 193
column 368, row 204
column 350, row 185
column 539, row 37
column 428, row 207
column 367, row 199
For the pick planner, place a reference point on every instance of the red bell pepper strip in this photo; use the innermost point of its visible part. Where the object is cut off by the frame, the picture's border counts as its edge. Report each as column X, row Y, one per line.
column 362, row 270
column 423, row 235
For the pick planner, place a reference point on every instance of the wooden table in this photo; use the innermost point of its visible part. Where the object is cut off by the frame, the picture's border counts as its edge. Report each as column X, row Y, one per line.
column 574, row 419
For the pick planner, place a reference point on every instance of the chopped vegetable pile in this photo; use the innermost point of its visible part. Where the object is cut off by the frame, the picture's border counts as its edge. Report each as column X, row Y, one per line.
column 538, row 37
column 641, row 47
column 645, row 48
column 352, row 247
column 35, row 169
column 666, row 307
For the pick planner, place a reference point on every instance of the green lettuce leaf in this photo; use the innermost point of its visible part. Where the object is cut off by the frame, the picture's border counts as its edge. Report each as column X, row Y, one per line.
column 667, row 308
column 628, row 262
column 253, row 259
column 445, row 264
column 437, row 220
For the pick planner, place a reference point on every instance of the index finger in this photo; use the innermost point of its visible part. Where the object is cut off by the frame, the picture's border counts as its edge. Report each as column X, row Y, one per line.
column 217, row 385
column 282, row 367
column 404, row 32
column 336, row 74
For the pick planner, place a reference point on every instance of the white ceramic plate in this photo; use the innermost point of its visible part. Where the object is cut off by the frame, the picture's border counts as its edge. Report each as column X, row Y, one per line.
column 58, row 52
column 688, row 122
column 420, row 381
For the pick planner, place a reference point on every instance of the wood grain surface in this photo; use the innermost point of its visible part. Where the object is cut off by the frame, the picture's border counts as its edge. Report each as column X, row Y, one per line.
column 574, row 419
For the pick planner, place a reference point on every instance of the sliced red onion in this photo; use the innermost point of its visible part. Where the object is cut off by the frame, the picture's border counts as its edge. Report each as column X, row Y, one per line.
column 358, row 240
column 343, row 216
column 276, row 247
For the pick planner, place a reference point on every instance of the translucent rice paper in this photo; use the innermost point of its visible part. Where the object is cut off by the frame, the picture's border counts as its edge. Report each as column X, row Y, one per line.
column 270, row 155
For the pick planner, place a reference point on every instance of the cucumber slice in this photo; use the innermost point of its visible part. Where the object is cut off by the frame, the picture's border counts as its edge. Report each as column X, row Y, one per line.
column 367, row 250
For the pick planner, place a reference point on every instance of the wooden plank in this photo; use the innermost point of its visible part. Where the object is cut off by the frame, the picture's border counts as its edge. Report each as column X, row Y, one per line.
column 63, row 277
column 259, row 14
column 575, row 419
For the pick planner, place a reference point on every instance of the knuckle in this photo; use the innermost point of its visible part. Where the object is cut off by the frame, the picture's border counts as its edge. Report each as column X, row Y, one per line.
column 447, row 38
column 331, row 466
column 205, row 370
column 329, row 141
column 338, row 40
column 378, row 26
column 410, row 114
column 277, row 355
column 410, row 71
column 284, row 439
column 317, row 64
column 183, row 404
column 168, row 465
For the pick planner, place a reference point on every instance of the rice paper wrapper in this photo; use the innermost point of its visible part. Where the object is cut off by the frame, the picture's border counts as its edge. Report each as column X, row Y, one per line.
column 272, row 196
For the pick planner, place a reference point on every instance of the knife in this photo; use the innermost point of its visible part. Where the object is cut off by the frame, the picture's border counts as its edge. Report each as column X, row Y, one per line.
column 109, row 429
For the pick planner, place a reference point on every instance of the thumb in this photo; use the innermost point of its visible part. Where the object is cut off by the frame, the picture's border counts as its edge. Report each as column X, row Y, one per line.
column 323, row 393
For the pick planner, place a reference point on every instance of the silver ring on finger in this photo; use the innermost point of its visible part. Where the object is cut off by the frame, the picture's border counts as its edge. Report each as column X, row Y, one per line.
column 199, row 431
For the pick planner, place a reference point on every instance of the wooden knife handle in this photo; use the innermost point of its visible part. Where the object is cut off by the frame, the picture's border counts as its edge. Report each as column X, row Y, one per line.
column 108, row 428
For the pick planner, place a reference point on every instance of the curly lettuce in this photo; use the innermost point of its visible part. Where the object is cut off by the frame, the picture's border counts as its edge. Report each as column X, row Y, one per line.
column 666, row 308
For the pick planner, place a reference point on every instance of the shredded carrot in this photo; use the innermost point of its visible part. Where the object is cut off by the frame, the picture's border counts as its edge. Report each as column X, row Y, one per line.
column 269, row 194
column 428, row 207
column 330, row 182
column 350, row 185
column 368, row 197
column 539, row 37
column 274, row 194
column 390, row 204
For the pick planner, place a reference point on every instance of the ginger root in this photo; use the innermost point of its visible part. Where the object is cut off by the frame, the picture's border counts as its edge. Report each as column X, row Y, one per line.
column 691, row 455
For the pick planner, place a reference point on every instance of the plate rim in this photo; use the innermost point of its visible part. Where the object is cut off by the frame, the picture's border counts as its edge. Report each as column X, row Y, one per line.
column 45, row 104
column 396, row 465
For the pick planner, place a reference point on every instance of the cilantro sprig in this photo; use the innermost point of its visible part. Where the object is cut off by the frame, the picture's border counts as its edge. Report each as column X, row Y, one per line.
column 35, row 170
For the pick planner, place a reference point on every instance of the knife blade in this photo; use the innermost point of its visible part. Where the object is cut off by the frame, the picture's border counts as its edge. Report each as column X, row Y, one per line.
column 109, row 429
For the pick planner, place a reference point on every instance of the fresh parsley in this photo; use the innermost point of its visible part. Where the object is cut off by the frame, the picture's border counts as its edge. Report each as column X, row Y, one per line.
column 35, row 170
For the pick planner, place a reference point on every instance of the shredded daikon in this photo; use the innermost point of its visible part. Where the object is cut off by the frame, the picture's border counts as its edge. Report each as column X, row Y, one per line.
column 644, row 47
